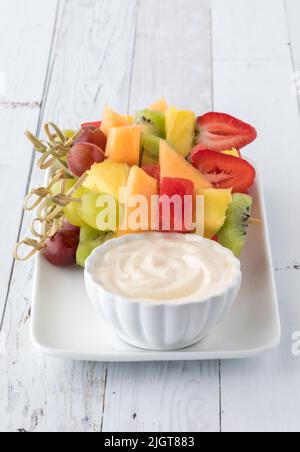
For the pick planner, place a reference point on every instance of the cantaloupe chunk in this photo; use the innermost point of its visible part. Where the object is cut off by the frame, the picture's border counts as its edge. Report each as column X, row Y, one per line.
column 174, row 165
column 161, row 105
column 216, row 203
column 139, row 183
column 128, row 118
column 124, row 145
column 112, row 119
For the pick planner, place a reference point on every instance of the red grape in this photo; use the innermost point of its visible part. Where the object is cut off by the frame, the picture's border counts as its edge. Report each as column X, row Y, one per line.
column 82, row 156
column 96, row 124
column 70, row 227
column 61, row 249
column 92, row 135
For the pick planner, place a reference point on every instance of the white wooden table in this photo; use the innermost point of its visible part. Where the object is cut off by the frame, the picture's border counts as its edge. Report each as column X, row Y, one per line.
column 63, row 60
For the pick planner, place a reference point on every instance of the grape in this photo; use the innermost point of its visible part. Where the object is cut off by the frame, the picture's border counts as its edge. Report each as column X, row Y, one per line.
column 70, row 227
column 61, row 249
column 71, row 211
column 92, row 135
column 56, row 188
column 90, row 211
column 82, row 156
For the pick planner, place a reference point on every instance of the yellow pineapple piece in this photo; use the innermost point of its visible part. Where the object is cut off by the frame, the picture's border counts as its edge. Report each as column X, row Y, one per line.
column 233, row 152
column 107, row 177
column 216, row 203
column 180, row 130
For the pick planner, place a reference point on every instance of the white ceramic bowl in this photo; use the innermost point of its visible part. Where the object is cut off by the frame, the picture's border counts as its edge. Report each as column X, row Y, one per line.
column 155, row 325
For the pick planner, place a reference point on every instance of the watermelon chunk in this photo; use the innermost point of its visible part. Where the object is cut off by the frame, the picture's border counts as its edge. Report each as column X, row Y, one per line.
column 181, row 217
column 152, row 171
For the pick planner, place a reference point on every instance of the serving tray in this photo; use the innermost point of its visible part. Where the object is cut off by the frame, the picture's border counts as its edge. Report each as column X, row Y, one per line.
column 65, row 325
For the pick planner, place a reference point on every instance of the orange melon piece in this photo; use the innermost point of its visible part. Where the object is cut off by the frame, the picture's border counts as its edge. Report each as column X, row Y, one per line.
column 112, row 119
column 128, row 118
column 139, row 183
column 161, row 105
column 174, row 165
column 124, row 145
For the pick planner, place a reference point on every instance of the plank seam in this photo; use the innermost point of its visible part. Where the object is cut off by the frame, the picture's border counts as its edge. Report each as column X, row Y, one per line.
column 213, row 107
column 133, row 55
column 104, row 398
column 252, row 60
column 220, row 397
column 38, row 129
column 128, row 111
column 14, row 105
column 292, row 56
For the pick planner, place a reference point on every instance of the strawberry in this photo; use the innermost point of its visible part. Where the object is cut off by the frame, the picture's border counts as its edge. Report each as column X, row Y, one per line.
column 219, row 132
column 224, row 171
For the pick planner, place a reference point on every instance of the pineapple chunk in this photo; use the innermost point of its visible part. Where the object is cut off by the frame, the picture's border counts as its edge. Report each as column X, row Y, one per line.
column 233, row 152
column 216, row 203
column 107, row 177
column 180, row 130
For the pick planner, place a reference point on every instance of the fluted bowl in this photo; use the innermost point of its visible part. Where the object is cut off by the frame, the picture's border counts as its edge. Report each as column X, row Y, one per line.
column 165, row 325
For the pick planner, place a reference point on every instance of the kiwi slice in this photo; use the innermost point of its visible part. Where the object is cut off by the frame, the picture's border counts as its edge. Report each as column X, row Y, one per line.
column 154, row 119
column 89, row 240
column 233, row 234
column 150, row 149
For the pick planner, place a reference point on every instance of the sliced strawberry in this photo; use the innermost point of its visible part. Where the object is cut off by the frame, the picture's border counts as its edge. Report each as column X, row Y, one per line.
column 224, row 171
column 219, row 132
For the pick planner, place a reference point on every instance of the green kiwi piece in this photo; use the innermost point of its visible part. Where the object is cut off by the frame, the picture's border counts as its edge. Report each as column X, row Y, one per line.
column 150, row 149
column 155, row 119
column 89, row 240
column 233, row 234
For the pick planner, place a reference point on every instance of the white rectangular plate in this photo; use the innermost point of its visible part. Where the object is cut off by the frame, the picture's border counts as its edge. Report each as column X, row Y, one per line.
column 65, row 325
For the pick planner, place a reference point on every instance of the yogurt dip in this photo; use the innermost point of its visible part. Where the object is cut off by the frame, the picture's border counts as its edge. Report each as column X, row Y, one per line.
column 165, row 268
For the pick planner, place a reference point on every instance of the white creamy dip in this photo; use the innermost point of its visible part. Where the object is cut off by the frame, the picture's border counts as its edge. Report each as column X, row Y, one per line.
column 166, row 268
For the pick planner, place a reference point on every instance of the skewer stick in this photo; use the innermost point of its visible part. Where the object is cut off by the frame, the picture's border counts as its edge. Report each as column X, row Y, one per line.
column 255, row 221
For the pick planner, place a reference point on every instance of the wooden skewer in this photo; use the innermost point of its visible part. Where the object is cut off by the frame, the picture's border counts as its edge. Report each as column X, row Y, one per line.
column 255, row 221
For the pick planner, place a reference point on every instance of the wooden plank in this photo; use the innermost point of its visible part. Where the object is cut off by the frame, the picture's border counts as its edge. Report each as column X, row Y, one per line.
column 172, row 55
column 262, row 394
column 172, row 58
column 20, row 99
column 88, row 69
column 249, row 30
column 162, row 397
column 24, row 50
